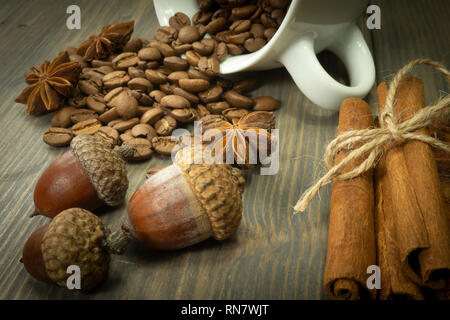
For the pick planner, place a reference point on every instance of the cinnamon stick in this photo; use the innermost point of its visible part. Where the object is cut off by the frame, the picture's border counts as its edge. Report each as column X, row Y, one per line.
column 418, row 212
column 394, row 283
column 351, row 239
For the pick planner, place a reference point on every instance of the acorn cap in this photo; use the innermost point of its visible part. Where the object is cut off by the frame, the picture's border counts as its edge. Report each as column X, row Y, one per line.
column 105, row 167
column 218, row 188
column 76, row 237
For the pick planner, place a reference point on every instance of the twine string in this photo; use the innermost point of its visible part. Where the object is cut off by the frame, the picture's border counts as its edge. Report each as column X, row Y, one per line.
column 372, row 142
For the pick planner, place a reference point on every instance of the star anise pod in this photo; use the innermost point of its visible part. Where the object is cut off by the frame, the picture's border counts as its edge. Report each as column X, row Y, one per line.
column 112, row 37
column 245, row 140
column 50, row 85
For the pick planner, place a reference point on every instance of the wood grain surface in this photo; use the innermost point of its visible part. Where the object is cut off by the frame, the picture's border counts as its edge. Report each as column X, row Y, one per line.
column 275, row 254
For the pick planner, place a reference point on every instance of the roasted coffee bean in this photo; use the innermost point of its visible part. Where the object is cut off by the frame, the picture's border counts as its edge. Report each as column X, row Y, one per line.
column 164, row 145
column 193, row 85
column 205, row 47
column 126, row 136
column 165, row 126
column 57, row 137
column 256, row 14
column 121, row 98
column 124, row 125
column 125, row 60
column 89, row 87
column 243, row 12
column 223, row 35
column 149, row 54
column 109, row 115
column 61, row 119
column 165, row 70
column 192, row 58
column 109, row 134
column 157, row 95
column 224, row 13
column 202, row 111
column 115, row 79
column 183, row 115
column 140, row 84
column 166, row 34
column 212, row 121
column 145, row 100
column 143, row 109
column 278, row 16
column 101, row 63
column 253, row 45
column 143, row 130
column 174, row 101
column 201, row 29
column 240, row 26
column 179, row 20
column 185, row 94
column 164, row 48
column 195, row 74
column 267, row 21
column 265, row 103
column 176, row 76
column 112, row 123
column 269, row 33
column 201, row 17
column 234, row 113
column 155, row 76
column 180, row 47
column 89, row 126
column 221, row 51
column 216, row 25
column 167, row 88
column 151, row 65
column 213, row 94
column 152, row 115
column 224, row 83
column 217, row 107
column 246, row 85
column 188, row 34
column 210, row 66
column 257, row 30
column 134, row 72
column 142, row 149
column 238, row 100
column 239, row 38
column 96, row 103
column 176, row 63
column 79, row 115
column 134, row 45
column 205, row 5
column 279, row 4
column 235, row 49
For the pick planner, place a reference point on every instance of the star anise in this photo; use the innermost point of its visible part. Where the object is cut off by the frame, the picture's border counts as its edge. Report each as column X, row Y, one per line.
column 112, row 37
column 246, row 140
column 50, row 84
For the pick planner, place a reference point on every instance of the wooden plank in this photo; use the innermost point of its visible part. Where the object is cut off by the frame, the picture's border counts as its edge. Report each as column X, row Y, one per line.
column 274, row 255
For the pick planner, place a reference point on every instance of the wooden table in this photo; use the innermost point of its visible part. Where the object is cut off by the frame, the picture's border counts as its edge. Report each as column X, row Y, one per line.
column 275, row 254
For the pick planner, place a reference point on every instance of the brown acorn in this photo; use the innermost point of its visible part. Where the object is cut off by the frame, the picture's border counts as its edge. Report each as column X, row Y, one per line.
column 88, row 176
column 74, row 237
column 186, row 203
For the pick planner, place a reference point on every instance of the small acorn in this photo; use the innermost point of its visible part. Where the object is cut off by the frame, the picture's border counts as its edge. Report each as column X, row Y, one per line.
column 186, row 203
column 74, row 237
column 88, row 176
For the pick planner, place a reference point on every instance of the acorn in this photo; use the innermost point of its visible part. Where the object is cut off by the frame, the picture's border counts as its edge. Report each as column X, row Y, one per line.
column 74, row 237
column 91, row 174
column 186, row 203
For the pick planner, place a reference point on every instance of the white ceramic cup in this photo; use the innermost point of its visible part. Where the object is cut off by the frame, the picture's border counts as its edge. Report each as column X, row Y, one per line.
column 309, row 27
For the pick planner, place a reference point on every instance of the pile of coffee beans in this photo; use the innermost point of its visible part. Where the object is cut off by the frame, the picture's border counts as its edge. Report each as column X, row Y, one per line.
column 140, row 95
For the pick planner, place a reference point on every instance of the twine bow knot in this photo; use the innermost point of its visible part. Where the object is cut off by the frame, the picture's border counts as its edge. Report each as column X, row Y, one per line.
column 372, row 142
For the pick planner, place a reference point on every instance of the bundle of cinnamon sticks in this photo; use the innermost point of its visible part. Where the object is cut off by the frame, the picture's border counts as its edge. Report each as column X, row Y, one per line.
column 395, row 217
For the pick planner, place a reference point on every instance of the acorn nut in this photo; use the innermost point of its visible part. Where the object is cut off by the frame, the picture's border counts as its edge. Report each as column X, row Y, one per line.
column 186, row 203
column 88, row 176
column 74, row 237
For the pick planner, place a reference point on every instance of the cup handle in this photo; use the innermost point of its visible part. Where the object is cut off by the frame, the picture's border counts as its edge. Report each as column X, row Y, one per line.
column 301, row 62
